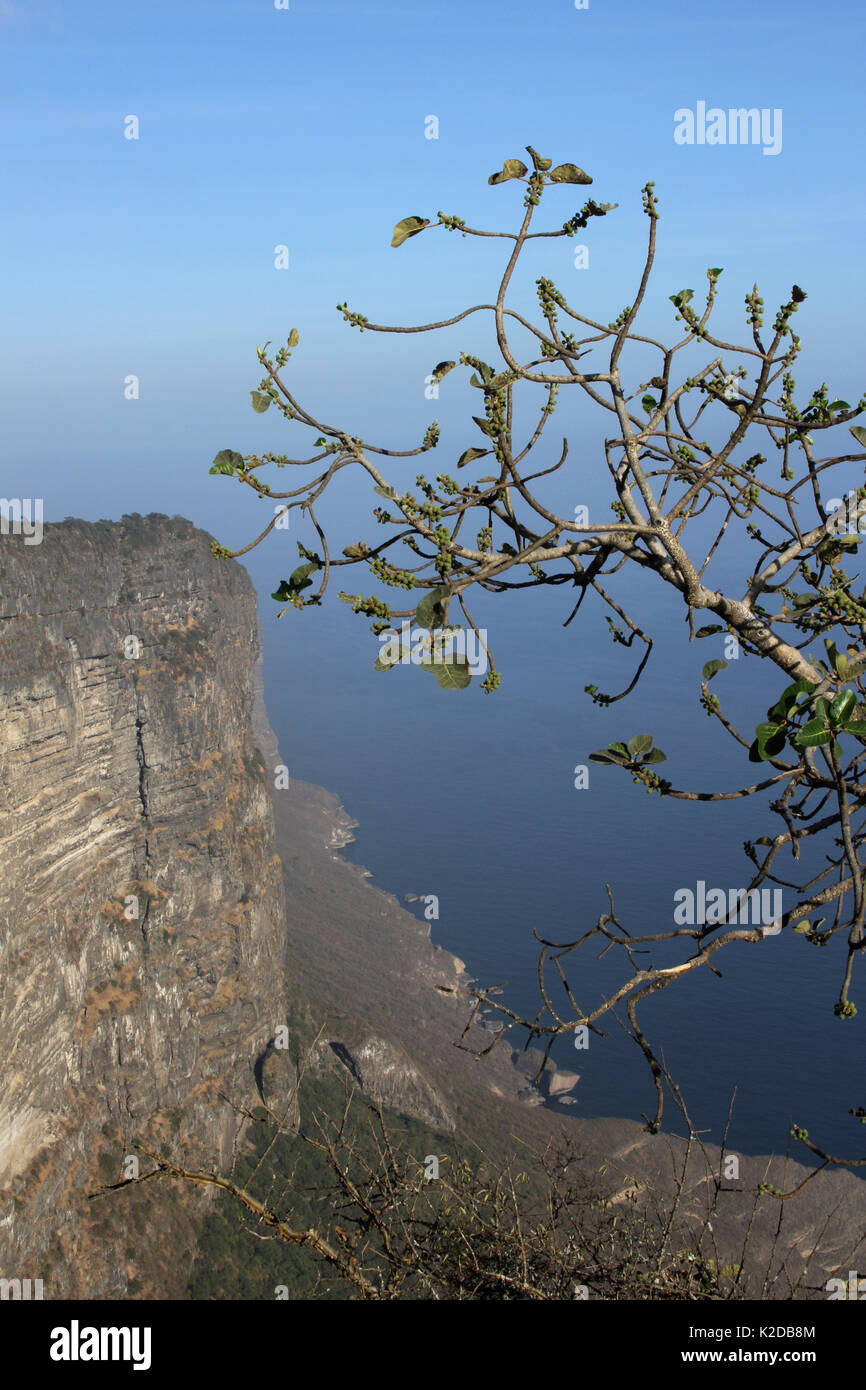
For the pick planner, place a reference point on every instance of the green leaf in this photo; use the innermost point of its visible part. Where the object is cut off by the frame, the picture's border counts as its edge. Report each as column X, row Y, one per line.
column 473, row 381
column 511, row 169
column 452, row 672
column 859, row 434
column 408, row 226
column 710, row 630
column 765, row 732
column 813, row 734
column 300, row 576
column 788, row 699
column 442, row 369
column 538, row 160
column 804, row 600
column 821, row 708
column 715, row 271
column 649, row 403
column 770, row 741
column 298, row 580
column 355, row 552
column 260, row 401
column 838, row 405
column 380, row 665
column 430, row 611
column 388, row 492
column 681, row 297
column 712, row 668
column 802, row 927
column 469, row 456
column 227, row 461
column 568, row 173
column 655, row 755
column 614, row 753
column 641, row 743
column 842, row 706
column 485, row 426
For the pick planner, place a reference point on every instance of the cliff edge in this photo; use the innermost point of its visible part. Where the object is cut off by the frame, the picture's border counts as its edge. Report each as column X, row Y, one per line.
column 141, row 899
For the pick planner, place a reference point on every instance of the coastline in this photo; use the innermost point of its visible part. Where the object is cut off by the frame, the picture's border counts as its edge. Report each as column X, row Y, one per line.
column 313, row 827
column 385, row 995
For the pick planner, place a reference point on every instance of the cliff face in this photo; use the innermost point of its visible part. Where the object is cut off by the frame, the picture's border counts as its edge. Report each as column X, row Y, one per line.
column 141, row 899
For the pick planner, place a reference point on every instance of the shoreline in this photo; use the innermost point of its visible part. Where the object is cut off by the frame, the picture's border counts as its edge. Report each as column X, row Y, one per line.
column 367, row 970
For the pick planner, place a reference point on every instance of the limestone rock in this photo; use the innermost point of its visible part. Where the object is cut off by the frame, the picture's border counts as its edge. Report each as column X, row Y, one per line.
column 141, row 900
column 384, row 1071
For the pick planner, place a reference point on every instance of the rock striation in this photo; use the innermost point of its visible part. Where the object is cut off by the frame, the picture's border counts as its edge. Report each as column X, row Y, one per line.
column 141, row 899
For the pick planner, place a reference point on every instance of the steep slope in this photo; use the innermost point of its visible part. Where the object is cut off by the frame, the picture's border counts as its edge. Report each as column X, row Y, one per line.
column 141, row 900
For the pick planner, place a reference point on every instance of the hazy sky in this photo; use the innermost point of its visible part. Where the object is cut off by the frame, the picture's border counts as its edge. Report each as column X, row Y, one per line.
column 305, row 126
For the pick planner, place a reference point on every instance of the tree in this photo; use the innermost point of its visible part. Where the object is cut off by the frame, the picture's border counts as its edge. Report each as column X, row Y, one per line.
column 671, row 462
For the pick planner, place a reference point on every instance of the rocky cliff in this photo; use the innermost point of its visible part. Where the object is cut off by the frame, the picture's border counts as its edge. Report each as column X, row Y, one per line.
column 141, row 900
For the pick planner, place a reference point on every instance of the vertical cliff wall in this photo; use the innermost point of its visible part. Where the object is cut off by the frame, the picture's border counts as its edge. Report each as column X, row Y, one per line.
column 141, row 899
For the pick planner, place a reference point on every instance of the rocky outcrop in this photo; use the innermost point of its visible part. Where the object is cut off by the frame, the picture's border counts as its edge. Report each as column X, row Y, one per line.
column 141, row 900
column 560, row 1082
column 384, row 1071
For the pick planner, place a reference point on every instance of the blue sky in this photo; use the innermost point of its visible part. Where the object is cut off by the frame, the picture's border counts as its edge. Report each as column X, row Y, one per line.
column 306, row 127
